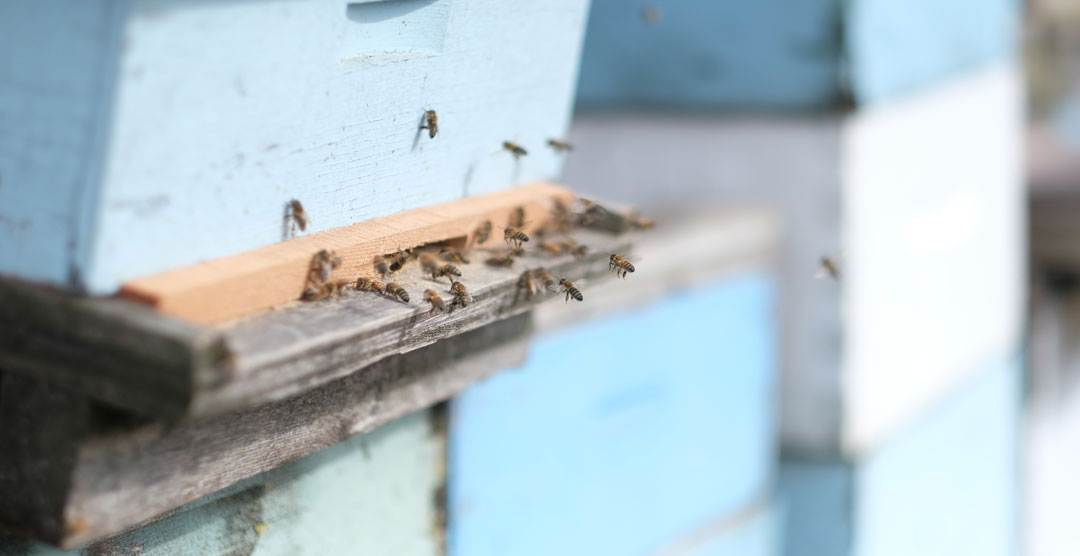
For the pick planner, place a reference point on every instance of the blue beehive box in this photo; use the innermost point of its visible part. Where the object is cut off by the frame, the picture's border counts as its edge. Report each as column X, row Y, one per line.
column 137, row 137
column 627, row 435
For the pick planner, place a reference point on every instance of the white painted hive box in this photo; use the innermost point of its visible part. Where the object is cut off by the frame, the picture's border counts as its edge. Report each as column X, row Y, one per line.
column 137, row 137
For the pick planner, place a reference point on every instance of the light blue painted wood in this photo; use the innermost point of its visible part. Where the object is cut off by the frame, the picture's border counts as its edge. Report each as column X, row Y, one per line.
column 223, row 111
column 373, row 494
column 948, row 484
column 895, row 47
column 621, row 436
column 758, row 535
column 766, row 53
column 56, row 66
column 786, row 54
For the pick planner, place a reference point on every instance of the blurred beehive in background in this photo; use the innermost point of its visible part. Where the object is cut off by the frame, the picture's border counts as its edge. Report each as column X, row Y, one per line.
column 888, row 134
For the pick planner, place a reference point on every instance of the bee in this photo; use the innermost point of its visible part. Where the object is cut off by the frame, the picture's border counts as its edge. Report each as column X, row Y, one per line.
column 482, row 233
column 553, row 249
column 620, row 265
column 528, row 282
column 399, row 259
column 517, row 218
column 547, row 279
column 830, row 267
column 514, row 236
column 515, row 149
column 453, row 256
column 335, row 289
column 366, row 284
column 397, row 291
column 504, row 260
column 461, row 295
column 298, row 215
column 431, row 123
column 445, row 270
column 574, row 248
column 560, row 146
column 428, row 264
column 382, row 266
column 430, row 296
column 592, row 211
column 571, row 291
column 322, row 266
column 562, row 219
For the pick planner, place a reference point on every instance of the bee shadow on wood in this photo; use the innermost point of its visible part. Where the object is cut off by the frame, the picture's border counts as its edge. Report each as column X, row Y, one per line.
column 419, row 131
column 286, row 223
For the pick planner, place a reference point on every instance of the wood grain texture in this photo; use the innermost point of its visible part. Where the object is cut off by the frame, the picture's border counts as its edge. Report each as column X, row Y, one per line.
column 231, row 287
column 132, row 357
column 120, row 477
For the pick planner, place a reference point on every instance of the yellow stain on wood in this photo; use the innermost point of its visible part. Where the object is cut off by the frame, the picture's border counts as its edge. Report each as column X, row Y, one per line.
column 216, row 291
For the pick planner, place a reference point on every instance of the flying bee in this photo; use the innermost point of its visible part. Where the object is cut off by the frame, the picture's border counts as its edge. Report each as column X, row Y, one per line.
column 547, row 279
column 399, row 259
column 830, row 266
column 431, row 123
column 620, row 265
column 482, row 233
column 428, row 264
column 514, row 236
column 297, row 214
column 515, row 149
column 517, row 218
column 505, row 259
column 322, row 266
column 528, row 282
column 430, row 296
column 574, row 248
column 570, row 290
column 560, row 146
column 446, row 270
column 382, row 266
column 461, row 295
column 397, row 291
column 453, row 256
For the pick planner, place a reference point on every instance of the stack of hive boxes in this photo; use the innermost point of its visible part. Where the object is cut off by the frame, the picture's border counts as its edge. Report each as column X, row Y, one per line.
column 888, row 134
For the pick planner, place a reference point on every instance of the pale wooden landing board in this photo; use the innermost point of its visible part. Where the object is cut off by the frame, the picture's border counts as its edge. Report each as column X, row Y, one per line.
column 222, row 289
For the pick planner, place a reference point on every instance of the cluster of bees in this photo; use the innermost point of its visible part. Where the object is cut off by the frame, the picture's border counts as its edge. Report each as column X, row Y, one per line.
column 439, row 262
column 431, row 123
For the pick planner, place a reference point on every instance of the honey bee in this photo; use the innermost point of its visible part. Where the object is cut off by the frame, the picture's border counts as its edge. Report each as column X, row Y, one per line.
column 830, row 267
column 549, row 248
column 514, row 236
column 397, row 291
column 322, row 266
column 461, row 295
column 528, row 282
column 515, row 149
column 298, row 215
column 382, row 266
column 400, row 259
column 517, row 218
column 335, row 289
column 639, row 223
column 445, row 270
column 431, row 123
column 366, row 284
column 428, row 264
column 620, row 265
column 571, row 291
column 482, row 233
column 574, row 248
column 453, row 256
column 430, row 296
column 504, row 260
column 547, row 279
column 560, row 146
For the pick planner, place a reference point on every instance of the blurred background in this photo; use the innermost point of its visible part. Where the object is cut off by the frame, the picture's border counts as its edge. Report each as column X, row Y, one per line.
column 867, row 210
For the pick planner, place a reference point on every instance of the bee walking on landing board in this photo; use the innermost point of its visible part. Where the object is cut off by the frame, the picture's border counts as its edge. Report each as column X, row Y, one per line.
column 366, row 284
column 445, row 270
column 431, row 123
column 461, row 295
column 430, row 296
column 397, row 291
